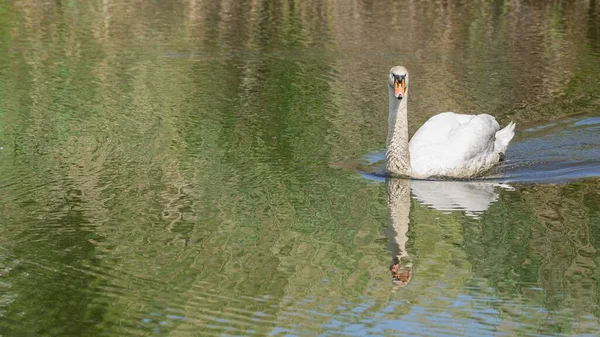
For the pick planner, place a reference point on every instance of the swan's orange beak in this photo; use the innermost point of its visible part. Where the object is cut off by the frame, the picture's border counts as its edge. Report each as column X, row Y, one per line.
column 399, row 88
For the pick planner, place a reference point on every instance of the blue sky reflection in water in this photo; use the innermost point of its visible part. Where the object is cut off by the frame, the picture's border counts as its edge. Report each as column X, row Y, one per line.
column 172, row 169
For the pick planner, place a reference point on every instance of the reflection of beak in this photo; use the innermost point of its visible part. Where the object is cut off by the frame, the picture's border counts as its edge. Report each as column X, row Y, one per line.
column 401, row 278
column 399, row 88
column 399, row 283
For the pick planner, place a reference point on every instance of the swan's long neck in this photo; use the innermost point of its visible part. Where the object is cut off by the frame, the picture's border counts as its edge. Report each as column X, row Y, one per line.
column 397, row 155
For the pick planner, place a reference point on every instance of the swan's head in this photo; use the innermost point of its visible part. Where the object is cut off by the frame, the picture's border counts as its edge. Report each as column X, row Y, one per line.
column 398, row 81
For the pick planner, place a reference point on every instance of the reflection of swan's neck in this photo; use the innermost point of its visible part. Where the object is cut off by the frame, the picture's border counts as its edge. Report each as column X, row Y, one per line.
column 398, row 206
column 397, row 157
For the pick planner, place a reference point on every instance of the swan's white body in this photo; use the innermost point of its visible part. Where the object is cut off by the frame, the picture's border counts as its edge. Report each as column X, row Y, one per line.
column 456, row 145
column 448, row 144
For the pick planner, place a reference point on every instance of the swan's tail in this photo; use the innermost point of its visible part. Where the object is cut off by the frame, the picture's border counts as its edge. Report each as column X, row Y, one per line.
column 503, row 137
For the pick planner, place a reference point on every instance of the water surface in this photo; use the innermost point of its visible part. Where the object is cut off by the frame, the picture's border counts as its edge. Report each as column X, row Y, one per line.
column 171, row 169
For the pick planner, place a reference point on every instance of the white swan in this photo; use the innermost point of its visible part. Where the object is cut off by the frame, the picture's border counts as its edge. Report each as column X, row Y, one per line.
column 448, row 144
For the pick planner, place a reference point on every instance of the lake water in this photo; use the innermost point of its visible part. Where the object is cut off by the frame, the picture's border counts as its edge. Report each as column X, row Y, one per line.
column 194, row 168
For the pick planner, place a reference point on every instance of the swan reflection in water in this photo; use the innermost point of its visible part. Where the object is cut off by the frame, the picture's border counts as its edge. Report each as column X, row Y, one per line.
column 472, row 197
column 563, row 150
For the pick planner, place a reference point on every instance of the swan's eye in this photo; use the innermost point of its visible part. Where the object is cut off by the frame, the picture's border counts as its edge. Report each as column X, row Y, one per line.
column 398, row 77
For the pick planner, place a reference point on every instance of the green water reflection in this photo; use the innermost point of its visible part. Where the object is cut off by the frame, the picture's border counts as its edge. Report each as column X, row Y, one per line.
column 171, row 168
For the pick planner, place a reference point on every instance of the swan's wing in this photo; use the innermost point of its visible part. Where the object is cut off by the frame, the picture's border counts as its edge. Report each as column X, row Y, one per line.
column 475, row 137
column 438, row 128
column 453, row 142
column 503, row 137
column 469, row 132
